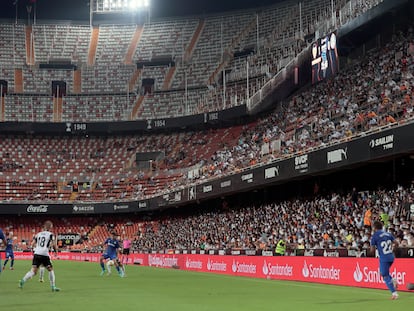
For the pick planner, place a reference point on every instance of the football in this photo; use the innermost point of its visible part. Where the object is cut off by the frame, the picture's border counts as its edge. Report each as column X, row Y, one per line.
column 110, row 263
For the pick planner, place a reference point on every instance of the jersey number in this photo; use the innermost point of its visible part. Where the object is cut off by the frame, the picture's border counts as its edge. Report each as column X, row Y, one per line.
column 42, row 241
column 386, row 247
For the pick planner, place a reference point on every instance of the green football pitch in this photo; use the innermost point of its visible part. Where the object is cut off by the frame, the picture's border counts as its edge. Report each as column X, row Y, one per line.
column 147, row 289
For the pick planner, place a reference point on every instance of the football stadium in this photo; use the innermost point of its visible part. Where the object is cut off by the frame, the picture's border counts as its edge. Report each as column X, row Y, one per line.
column 204, row 155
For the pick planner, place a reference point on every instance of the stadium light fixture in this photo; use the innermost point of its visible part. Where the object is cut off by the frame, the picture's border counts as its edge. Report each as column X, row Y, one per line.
column 119, row 6
column 138, row 4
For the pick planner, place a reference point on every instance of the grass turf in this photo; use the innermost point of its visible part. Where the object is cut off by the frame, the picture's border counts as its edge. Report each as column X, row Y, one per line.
column 148, row 289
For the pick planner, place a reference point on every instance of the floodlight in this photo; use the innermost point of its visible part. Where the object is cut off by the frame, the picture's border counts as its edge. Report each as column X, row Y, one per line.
column 136, row 4
column 132, row 4
column 109, row 6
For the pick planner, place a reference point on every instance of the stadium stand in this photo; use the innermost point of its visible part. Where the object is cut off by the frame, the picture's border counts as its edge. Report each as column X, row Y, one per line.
column 372, row 94
column 198, row 46
column 332, row 221
column 312, row 118
column 41, row 168
column 54, row 42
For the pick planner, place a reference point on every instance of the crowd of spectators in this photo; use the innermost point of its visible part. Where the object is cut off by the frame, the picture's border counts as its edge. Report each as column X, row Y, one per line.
column 321, row 222
column 374, row 92
column 334, row 221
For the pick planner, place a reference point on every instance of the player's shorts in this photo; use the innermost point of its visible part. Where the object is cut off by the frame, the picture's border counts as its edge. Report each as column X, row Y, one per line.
column 125, row 251
column 385, row 267
column 39, row 260
column 109, row 256
column 10, row 255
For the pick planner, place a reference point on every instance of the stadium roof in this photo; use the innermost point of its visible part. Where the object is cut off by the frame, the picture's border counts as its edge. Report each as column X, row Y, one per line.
column 79, row 9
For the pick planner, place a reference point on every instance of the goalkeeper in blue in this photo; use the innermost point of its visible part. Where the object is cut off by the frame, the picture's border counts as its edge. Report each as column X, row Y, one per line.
column 385, row 244
column 111, row 253
column 2, row 240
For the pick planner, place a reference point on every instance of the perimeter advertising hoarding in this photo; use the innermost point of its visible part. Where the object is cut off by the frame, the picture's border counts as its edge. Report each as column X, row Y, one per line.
column 358, row 272
column 69, row 208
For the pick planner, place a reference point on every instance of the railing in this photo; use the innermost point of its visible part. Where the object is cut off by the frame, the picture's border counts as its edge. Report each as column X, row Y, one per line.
column 350, row 10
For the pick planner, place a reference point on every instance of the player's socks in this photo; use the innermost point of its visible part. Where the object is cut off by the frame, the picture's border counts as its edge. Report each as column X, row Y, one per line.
column 41, row 274
column 52, row 278
column 389, row 282
column 102, row 264
column 120, row 272
column 395, row 283
column 21, row 283
column 28, row 276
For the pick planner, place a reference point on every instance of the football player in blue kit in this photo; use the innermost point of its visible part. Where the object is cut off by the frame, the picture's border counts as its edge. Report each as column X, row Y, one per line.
column 2, row 240
column 9, row 252
column 111, row 253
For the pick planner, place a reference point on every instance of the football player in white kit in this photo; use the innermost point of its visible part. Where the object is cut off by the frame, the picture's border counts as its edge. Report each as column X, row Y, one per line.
column 41, row 243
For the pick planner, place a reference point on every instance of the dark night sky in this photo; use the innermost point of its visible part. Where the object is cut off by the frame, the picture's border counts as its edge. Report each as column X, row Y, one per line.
column 79, row 9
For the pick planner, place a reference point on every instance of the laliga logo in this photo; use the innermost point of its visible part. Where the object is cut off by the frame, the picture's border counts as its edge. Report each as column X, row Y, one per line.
column 305, row 270
column 358, row 273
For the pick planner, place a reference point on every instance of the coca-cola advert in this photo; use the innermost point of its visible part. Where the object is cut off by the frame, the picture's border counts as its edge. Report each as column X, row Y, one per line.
column 37, row 209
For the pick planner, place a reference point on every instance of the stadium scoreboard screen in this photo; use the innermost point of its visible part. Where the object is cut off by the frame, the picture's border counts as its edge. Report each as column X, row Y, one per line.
column 324, row 58
column 107, row 6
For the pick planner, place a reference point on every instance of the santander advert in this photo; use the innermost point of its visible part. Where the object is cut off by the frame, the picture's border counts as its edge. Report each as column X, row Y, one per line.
column 358, row 272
